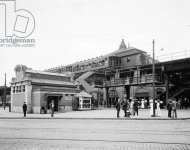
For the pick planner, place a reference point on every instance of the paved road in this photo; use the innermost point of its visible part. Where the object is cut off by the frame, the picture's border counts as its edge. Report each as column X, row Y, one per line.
column 71, row 134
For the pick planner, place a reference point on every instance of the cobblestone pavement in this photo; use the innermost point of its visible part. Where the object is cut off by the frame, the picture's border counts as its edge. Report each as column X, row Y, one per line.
column 71, row 134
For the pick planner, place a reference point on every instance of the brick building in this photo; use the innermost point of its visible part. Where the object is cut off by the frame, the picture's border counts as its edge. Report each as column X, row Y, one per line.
column 38, row 89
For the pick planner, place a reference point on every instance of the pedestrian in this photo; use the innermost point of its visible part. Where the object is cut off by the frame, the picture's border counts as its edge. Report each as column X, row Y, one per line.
column 124, row 107
column 158, row 112
column 132, row 107
column 169, row 108
column 135, row 107
column 142, row 103
column 118, row 107
column 151, row 106
column 52, row 108
column 24, row 109
column 174, row 109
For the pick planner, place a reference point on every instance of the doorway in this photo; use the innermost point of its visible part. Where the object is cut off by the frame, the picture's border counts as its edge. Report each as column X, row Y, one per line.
column 55, row 99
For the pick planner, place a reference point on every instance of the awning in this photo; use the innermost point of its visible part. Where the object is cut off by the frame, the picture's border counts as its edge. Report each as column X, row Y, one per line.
column 83, row 94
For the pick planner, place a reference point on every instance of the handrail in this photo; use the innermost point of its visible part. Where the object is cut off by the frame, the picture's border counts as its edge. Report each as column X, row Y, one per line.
column 132, row 80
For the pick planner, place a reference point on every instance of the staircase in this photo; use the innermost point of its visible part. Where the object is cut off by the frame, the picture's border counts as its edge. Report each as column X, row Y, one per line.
column 82, row 81
column 179, row 92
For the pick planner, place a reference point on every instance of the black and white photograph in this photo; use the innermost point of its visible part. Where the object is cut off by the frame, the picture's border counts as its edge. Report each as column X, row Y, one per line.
column 95, row 75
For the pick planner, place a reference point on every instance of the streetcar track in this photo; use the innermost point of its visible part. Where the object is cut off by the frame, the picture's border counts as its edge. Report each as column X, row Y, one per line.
column 95, row 140
column 129, row 132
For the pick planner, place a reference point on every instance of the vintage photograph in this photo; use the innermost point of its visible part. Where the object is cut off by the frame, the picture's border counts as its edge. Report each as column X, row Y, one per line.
column 95, row 75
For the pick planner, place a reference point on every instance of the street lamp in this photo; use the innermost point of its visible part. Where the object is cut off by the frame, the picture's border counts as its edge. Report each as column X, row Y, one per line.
column 153, row 78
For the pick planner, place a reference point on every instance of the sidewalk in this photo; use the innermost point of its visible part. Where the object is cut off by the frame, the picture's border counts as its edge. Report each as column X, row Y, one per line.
column 107, row 113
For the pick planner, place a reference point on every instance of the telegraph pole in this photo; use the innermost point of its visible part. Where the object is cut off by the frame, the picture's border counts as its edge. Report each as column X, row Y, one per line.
column 153, row 78
column 5, row 92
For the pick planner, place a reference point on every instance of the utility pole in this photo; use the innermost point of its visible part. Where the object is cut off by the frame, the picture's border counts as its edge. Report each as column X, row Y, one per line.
column 153, row 78
column 5, row 92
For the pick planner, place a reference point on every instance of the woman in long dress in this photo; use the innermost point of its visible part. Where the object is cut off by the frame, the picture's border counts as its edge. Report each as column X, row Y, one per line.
column 151, row 107
column 132, row 107
column 158, row 112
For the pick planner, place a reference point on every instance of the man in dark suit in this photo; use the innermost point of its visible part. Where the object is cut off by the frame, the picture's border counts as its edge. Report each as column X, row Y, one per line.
column 135, row 107
column 24, row 109
column 118, row 107
column 52, row 108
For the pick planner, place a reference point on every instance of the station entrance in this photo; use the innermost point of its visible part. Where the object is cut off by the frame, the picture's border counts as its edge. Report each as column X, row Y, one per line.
column 55, row 99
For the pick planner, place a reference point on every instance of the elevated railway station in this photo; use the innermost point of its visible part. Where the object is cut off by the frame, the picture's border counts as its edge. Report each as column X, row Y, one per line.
column 127, row 72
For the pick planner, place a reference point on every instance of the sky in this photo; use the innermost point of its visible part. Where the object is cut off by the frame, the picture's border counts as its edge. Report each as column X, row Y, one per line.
column 67, row 31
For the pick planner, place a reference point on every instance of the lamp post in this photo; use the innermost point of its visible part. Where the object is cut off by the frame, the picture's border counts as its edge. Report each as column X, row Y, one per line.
column 153, row 78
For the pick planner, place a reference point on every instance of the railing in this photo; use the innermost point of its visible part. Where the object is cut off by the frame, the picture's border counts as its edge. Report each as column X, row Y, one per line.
column 147, row 79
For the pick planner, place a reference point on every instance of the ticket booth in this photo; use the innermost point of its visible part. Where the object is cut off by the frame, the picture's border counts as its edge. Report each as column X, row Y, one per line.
column 84, row 100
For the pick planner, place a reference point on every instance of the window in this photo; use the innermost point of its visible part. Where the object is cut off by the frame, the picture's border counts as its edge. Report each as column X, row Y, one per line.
column 13, row 89
column 128, row 59
column 16, row 89
column 23, row 88
column 19, row 88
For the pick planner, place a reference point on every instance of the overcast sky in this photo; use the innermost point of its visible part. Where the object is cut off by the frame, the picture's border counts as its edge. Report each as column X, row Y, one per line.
column 73, row 30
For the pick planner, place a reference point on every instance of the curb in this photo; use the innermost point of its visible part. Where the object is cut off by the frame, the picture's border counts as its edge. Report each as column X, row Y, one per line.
column 73, row 118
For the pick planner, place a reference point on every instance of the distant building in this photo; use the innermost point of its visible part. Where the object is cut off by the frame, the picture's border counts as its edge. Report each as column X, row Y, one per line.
column 38, row 89
column 2, row 96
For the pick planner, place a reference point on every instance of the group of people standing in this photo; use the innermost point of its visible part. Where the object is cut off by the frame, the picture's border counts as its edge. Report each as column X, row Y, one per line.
column 130, row 107
column 52, row 106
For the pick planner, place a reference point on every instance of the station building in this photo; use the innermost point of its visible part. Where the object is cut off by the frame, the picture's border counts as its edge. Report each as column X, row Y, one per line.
column 114, row 75
column 125, row 72
column 38, row 89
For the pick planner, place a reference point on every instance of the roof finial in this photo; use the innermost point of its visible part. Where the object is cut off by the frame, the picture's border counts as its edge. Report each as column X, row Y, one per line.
column 122, row 45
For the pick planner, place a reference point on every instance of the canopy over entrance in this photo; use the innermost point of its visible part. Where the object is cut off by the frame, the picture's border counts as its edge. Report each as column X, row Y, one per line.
column 83, row 94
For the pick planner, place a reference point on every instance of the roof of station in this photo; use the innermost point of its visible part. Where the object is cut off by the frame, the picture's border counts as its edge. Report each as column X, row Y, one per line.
column 122, row 51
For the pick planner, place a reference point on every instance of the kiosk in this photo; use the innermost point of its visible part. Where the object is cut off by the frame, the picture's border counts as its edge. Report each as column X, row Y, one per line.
column 84, row 100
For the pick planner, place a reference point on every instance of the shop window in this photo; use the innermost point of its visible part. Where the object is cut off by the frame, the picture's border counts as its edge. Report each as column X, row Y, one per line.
column 23, row 88
column 16, row 89
column 19, row 88
column 13, row 89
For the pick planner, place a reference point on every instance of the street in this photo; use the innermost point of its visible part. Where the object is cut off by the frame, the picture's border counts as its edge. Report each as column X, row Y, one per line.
column 105, row 134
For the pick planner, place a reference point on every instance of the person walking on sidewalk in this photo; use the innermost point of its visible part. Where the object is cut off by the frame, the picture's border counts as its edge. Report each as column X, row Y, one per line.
column 174, row 109
column 158, row 111
column 169, row 108
column 118, row 107
column 24, row 107
column 135, row 106
column 124, row 107
column 52, row 108
column 131, row 106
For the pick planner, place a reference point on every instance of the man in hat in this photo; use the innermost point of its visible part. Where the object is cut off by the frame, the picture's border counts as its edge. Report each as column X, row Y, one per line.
column 174, row 109
column 24, row 109
column 118, row 107
column 135, row 107
column 52, row 108
column 169, row 108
